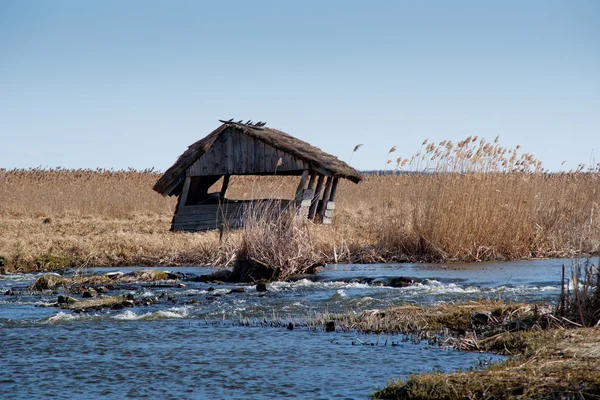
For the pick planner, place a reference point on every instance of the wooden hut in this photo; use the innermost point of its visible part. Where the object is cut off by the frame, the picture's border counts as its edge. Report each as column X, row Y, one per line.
column 237, row 148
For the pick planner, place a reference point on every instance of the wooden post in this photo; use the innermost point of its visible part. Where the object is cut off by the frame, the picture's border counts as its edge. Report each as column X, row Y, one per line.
column 300, row 188
column 317, row 194
column 325, row 196
column 334, row 189
column 184, row 192
column 224, row 187
column 311, row 182
column 327, row 215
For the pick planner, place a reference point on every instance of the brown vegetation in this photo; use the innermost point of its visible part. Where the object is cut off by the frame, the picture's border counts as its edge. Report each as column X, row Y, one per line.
column 553, row 364
column 483, row 203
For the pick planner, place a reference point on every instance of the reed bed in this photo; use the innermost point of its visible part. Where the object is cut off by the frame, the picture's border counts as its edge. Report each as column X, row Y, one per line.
column 474, row 201
column 579, row 302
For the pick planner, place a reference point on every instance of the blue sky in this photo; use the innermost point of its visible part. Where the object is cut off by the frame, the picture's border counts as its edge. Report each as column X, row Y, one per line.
column 120, row 84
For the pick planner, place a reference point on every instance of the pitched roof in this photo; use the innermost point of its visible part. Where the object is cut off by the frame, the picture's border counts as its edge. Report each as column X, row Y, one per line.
column 315, row 157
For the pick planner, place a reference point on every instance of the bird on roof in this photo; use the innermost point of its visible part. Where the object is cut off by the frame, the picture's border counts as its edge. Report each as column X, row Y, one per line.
column 249, row 122
column 258, row 123
column 240, row 121
column 230, row 120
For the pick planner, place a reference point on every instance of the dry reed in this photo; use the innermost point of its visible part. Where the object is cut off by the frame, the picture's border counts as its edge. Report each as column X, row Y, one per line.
column 473, row 201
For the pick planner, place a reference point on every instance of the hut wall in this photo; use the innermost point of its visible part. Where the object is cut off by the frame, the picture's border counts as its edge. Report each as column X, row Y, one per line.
column 236, row 153
column 213, row 216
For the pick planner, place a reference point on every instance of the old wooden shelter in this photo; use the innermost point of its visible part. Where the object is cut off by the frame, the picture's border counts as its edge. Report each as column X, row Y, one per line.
column 237, row 148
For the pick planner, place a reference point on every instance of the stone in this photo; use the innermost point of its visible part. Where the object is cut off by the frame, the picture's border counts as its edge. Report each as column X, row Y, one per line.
column 261, row 287
column 102, row 289
column 290, row 326
column 49, row 281
column 402, row 281
column 330, row 326
column 128, row 303
column 118, row 306
column 175, row 275
column 237, row 290
column 66, row 300
column 115, row 275
column 10, row 292
column 89, row 293
column 222, row 275
column 481, row 317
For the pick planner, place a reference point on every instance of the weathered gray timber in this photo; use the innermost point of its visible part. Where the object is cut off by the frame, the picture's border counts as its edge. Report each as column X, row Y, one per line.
column 247, row 149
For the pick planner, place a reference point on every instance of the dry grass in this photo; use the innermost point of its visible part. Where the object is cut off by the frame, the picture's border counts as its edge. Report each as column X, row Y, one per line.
column 579, row 301
column 483, row 203
column 274, row 245
column 554, row 364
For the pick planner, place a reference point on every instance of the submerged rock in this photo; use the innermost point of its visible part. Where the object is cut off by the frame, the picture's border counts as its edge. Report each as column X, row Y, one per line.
column 237, row 290
column 10, row 292
column 222, row 275
column 49, row 281
column 175, row 275
column 66, row 300
column 115, row 275
column 330, row 326
column 402, row 281
column 89, row 293
column 261, row 287
column 150, row 275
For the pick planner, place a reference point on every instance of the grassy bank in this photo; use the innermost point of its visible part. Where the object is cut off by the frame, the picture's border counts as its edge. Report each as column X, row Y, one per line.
column 554, row 364
column 484, row 205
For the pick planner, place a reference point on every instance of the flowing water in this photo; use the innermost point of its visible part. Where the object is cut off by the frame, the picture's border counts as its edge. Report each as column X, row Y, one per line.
column 193, row 343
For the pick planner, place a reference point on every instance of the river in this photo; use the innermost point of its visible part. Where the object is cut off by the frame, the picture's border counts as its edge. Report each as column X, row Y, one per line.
column 193, row 343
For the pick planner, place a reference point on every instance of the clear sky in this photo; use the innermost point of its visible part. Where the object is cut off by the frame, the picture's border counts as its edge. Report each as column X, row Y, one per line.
column 120, row 84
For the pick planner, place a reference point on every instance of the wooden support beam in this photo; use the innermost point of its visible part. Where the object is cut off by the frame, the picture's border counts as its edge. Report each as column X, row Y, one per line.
column 313, row 178
column 326, row 194
column 184, row 192
column 301, row 186
column 334, row 189
column 315, row 201
column 224, row 187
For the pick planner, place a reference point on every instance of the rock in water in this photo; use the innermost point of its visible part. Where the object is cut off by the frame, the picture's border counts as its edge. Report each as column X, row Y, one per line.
column 48, row 281
column 66, row 300
column 330, row 326
column 402, row 281
column 261, row 287
column 89, row 293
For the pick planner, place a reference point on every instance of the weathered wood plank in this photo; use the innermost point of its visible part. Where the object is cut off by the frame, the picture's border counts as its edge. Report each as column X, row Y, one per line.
column 263, row 157
column 334, row 189
column 316, row 196
column 185, row 191
column 326, row 194
column 201, row 209
column 301, row 185
column 250, row 163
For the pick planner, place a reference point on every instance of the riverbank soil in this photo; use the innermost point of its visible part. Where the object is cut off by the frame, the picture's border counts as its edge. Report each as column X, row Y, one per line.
column 552, row 364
